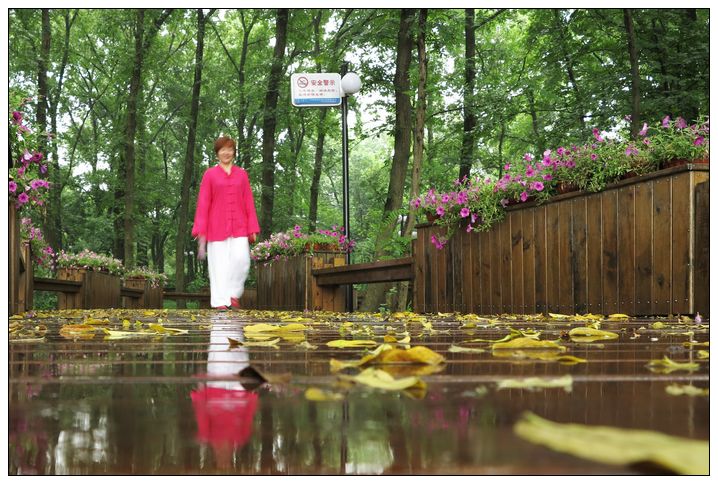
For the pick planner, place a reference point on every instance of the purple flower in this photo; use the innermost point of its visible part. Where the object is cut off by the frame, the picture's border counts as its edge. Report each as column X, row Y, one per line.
column 464, row 212
column 37, row 156
column 23, row 198
column 416, row 203
column 469, row 228
column 16, row 117
column 594, row 156
column 597, row 135
column 528, row 156
column 524, row 196
column 35, row 184
column 572, row 164
column 445, row 198
column 643, row 131
column 507, row 167
column 646, row 141
column 547, row 155
column 547, row 177
column 43, row 169
column 440, row 211
column 537, row 185
column 12, row 186
column 666, row 122
column 631, row 150
column 681, row 123
column 530, row 171
column 699, row 141
column 21, row 171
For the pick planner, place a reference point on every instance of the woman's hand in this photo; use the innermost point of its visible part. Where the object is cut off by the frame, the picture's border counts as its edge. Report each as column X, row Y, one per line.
column 202, row 248
column 252, row 238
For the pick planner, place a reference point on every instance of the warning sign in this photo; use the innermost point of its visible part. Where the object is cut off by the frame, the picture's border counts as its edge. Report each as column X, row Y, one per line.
column 316, row 89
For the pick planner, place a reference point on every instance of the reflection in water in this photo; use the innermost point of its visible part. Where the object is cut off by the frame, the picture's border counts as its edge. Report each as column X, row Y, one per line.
column 224, row 410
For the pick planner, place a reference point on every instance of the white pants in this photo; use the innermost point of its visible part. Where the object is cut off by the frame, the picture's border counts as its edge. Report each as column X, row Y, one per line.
column 228, row 263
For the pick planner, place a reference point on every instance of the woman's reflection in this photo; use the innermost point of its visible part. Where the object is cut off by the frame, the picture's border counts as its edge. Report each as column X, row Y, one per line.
column 224, row 409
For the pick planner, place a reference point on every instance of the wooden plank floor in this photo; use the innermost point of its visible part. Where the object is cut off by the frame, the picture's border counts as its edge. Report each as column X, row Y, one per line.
column 173, row 404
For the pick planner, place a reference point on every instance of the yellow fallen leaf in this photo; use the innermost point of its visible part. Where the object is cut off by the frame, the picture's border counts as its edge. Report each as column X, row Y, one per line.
column 616, row 446
column 689, row 390
column 702, row 354
column 296, row 320
column 164, row 330
column 318, row 395
column 559, row 316
column 534, row 383
column 405, row 340
column 273, row 328
column 351, row 343
column 91, row 320
column 588, row 335
column 112, row 334
column 417, row 354
column 126, row 324
column 528, row 343
column 236, row 342
column 375, row 378
column 658, row 325
column 618, row 316
column 82, row 331
column 389, row 339
column 461, row 349
column 667, row 365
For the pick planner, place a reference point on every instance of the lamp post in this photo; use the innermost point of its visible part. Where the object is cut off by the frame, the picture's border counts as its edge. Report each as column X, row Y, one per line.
column 350, row 85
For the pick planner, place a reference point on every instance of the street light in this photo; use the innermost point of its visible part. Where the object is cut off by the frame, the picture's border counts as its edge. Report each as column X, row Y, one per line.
column 350, row 85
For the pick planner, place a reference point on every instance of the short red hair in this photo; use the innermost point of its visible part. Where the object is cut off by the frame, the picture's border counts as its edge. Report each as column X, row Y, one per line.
column 223, row 141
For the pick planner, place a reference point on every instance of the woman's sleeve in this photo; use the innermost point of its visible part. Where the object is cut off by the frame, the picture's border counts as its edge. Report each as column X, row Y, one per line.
column 204, row 200
column 249, row 210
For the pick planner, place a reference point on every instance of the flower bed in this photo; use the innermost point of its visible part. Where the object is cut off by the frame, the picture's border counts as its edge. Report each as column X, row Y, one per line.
column 287, row 244
column 479, row 204
column 155, row 279
column 89, row 260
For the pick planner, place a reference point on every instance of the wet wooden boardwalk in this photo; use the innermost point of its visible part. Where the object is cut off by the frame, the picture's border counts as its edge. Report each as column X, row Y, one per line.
column 167, row 403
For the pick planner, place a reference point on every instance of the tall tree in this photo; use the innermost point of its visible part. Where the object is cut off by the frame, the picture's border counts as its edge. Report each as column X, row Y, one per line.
column 188, row 170
column 468, row 135
column 635, row 79
column 402, row 147
column 269, row 124
column 419, row 125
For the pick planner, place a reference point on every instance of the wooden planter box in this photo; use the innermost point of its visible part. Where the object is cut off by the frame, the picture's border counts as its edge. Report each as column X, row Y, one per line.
column 288, row 284
column 99, row 290
column 151, row 299
column 640, row 247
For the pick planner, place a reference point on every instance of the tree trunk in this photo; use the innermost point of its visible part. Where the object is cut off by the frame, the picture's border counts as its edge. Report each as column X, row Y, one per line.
column 418, row 153
column 49, row 220
column 188, row 172
column 635, row 79
column 540, row 143
column 569, row 69
column 321, row 132
column 269, row 124
column 130, row 130
column 468, row 137
column 402, row 146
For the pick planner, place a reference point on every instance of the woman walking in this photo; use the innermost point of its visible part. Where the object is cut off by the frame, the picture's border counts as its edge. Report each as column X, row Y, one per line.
column 225, row 223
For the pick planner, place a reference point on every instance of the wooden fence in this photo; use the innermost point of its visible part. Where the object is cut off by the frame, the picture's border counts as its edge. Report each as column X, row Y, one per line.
column 19, row 266
column 288, row 284
column 640, row 248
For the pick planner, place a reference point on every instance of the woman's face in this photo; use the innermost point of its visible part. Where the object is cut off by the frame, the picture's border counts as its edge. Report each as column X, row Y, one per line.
column 226, row 154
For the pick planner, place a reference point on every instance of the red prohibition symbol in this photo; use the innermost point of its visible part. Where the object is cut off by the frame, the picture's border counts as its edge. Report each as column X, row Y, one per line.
column 302, row 82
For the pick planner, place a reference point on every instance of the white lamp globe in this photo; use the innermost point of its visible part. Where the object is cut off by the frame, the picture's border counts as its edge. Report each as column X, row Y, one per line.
column 350, row 83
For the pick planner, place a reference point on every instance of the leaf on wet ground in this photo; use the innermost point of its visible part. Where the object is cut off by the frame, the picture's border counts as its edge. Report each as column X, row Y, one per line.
column 318, row 395
column 78, row 331
column 616, row 446
column 113, row 334
column 702, row 354
column 535, row 383
column 689, row 390
column 307, row 346
column 351, row 343
column 165, row 330
column 618, row 317
column 462, row 349
column 269, row 343
column 273, row 328
column 527, row 343
column 667, row 365
column 376, row 378
column 387, row 354
column 588, row 335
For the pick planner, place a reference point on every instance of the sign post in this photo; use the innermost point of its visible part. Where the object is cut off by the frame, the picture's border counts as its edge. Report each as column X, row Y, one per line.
column 324, row 90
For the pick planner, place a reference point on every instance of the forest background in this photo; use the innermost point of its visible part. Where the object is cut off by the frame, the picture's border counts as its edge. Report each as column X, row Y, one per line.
column 132, row 100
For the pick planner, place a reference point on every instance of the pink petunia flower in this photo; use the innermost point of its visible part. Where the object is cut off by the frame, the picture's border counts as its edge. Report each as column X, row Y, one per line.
column 23, row 198
column 12, row 186
column 464, row 212
column 537, row 185
column 643, row 131
column 524, row 196
column 681, row 123
column 440, row 211
column 699, row 141
column 666, row 123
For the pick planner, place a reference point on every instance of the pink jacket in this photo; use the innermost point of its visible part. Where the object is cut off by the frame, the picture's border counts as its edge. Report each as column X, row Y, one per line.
column 225, row 205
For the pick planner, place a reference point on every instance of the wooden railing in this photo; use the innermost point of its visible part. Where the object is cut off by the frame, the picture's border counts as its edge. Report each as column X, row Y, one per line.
column 640, row 247
column 380, row 271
